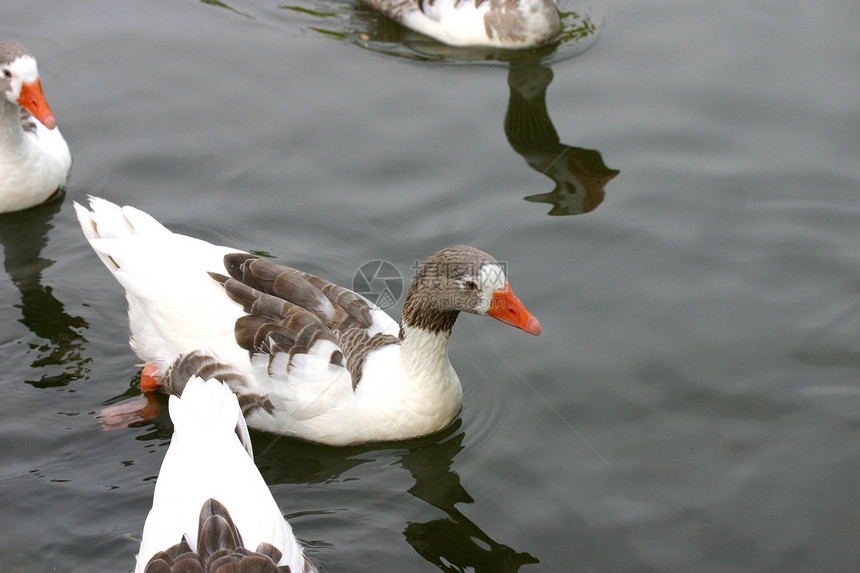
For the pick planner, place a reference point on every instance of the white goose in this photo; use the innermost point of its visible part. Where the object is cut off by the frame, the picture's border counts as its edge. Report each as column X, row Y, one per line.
column 307, row 358
column 34, row 157
column 210, row 497
column 486, row 23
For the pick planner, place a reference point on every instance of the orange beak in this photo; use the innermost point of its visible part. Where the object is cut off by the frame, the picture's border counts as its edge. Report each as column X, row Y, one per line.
column 34, row 100
column 508, row 308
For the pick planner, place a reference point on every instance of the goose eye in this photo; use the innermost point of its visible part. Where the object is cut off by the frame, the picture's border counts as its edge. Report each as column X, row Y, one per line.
column 7, row 73
column 470, row 285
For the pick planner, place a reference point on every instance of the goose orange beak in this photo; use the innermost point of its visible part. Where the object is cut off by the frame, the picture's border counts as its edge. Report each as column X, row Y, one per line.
column 507, row 308
column 33, row 99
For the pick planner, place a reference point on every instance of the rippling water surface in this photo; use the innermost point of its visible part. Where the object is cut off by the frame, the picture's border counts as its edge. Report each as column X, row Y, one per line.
column 673, row 187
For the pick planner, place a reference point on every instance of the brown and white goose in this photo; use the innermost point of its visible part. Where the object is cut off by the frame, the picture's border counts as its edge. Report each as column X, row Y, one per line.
column 34, row 157
column 306, row 357
column 485, row 23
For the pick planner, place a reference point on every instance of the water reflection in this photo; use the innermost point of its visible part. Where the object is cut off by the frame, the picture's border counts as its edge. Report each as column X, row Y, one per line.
column 452, row 543
column 579, row 174
column 60, row 357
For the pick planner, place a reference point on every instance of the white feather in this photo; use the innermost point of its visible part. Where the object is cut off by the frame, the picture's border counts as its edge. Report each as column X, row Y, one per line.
column 206, row 459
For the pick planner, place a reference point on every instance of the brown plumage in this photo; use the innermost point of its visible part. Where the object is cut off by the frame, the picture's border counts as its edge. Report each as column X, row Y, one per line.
column 290, row 311
column 219, row 549
column 436, row 296
column 28, row 122
column 206, row 366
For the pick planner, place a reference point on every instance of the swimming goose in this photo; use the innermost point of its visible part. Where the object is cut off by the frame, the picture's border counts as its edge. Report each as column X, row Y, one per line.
column 306, row 357
column 210, row 501
column 486, row 23
column 34, row 157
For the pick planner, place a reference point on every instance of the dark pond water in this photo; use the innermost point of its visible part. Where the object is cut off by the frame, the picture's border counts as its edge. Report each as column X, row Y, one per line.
column 674, row 190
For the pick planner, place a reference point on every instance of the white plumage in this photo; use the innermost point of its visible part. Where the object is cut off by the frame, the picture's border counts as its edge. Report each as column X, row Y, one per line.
column 34, row 157
column 208, row 459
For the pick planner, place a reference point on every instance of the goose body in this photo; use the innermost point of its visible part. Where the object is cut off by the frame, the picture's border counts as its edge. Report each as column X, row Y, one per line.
column 209, row 496
column 34, row 157
column 306, row 357
column 487, row 23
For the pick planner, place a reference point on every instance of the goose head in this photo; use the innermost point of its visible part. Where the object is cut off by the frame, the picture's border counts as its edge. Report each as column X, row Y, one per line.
column 20, row 84
column 463, row 279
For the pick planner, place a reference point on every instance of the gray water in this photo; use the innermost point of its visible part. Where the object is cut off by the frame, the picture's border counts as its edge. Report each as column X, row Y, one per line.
column 693, row 402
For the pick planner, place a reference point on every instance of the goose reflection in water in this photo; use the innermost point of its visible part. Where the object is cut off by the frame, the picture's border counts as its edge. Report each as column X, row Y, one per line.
column 59, row 358
column 453, row 542
column 579, row 174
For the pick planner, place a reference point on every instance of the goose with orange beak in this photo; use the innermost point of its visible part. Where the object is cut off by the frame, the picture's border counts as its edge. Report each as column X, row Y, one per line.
column 306, row 357
column 34, row 157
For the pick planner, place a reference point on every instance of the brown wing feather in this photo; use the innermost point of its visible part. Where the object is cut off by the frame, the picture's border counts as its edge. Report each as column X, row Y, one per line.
column 290, row 311
column 344, row 299
column 206, row 366
column 334, row 305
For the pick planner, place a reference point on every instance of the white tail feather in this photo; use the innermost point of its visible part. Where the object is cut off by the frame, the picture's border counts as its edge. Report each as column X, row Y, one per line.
column 209, row 409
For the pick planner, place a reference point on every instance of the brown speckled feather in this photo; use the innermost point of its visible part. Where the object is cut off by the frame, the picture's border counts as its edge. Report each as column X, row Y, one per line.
column 289, row 311
column 28, row 122
column 435, row 297
column 206, row 366
column 356, row 344
column 219, row 549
